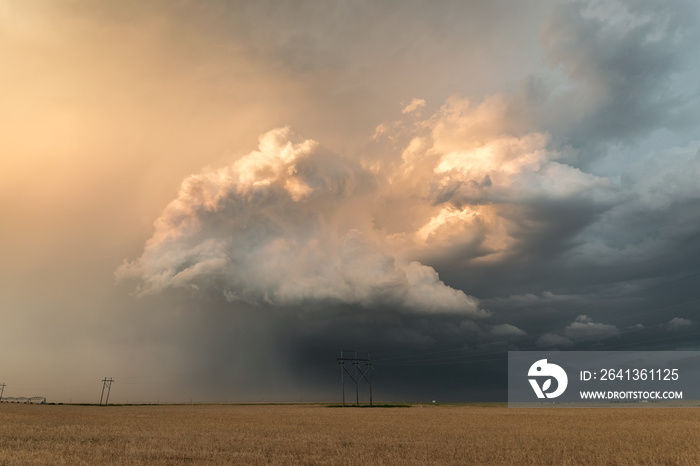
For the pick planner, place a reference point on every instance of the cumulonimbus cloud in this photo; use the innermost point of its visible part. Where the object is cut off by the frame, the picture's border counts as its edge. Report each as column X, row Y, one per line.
column 473, row 182
column 285, row 225
column 293, row 223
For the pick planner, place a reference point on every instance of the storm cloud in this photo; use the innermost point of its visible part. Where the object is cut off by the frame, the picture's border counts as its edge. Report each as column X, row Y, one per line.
column 486, row 189
column 270, row 182
column 277, row 227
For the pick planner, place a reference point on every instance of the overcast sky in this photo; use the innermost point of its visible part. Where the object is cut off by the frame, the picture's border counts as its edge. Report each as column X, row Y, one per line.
column 209, row 200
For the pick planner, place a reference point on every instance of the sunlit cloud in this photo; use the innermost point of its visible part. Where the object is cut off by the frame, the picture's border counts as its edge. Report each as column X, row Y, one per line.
column 280, row 227
column 432, row 193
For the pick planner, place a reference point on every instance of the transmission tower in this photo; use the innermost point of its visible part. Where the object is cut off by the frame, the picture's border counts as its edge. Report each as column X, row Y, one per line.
column 106, row 384
column 356, row 373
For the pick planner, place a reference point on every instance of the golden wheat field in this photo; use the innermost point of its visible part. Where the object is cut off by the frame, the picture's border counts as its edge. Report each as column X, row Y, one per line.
column 317, row 434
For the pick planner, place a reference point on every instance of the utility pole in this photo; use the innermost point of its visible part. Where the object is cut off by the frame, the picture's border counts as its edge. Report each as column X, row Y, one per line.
column 342, row 376
column 357, row 373
column 106, row 384
column 2, row 390
column 370, row 378
column 357, row 385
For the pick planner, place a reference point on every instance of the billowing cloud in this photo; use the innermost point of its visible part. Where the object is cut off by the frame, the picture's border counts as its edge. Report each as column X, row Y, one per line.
column 477, row 182
column 294, row 223
column 483, row 184
column 282, row 226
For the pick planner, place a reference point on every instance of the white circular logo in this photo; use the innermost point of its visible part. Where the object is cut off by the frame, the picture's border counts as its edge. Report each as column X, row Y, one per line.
column 545, row 372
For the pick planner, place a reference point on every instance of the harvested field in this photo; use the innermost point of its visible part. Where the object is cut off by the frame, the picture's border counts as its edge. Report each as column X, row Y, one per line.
column 316, row 434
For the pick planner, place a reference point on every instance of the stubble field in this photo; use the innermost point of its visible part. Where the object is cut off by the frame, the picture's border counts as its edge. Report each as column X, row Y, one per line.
column 316, row 434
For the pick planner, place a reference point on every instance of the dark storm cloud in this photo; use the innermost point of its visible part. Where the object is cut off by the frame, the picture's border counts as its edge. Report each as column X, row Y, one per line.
column 561, row 214
column 631, row 66
column 487, row 173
